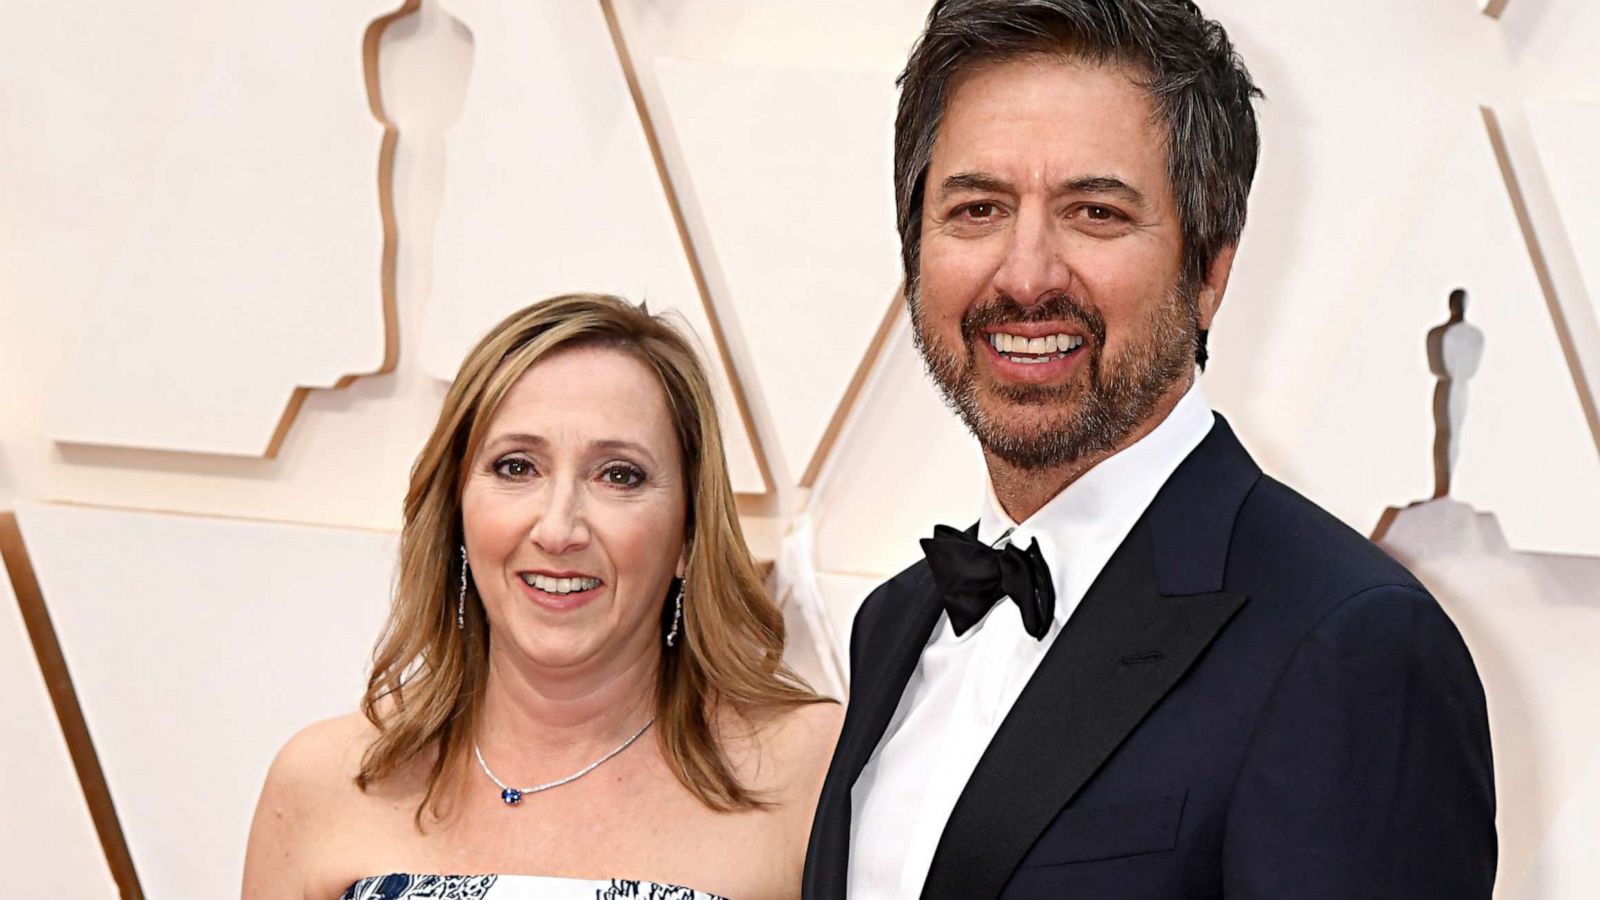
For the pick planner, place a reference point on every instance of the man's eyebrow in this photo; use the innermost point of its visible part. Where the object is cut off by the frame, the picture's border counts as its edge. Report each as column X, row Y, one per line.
column 1102, row 184
column 982, row 183
column 976, row 182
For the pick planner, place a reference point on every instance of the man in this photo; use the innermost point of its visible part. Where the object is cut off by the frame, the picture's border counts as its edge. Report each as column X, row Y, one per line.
column 1149, row 670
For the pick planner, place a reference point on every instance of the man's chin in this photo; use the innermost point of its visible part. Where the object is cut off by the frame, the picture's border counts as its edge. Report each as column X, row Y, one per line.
column 1031, row 435
column 1003, row 399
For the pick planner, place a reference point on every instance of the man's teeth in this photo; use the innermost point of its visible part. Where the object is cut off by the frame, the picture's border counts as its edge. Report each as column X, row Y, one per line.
column 560, row 585
column 1034, row 347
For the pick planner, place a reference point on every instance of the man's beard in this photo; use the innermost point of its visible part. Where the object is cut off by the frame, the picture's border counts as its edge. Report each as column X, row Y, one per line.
column 1096, row 418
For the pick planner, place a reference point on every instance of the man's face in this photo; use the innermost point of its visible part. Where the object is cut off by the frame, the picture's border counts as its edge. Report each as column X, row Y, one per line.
column 1050, row 309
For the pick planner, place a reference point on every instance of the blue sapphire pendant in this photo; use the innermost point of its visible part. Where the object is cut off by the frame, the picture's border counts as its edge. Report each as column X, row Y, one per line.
column 511, row 796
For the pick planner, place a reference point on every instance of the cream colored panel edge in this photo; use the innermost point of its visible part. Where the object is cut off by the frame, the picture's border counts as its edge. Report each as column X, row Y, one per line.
column 788, row 171
column 197, row 647
column 50, row 848
column 1566, row 141
column 251, row 266
column 551, row 187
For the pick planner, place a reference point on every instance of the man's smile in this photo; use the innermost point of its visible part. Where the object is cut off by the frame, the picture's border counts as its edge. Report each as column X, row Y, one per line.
column 1033, row 352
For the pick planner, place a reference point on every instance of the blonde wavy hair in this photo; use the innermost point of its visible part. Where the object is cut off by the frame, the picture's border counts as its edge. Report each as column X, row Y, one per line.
column 426, row 689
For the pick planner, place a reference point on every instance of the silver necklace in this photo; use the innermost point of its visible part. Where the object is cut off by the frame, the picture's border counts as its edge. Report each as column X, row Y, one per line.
column 512, row 796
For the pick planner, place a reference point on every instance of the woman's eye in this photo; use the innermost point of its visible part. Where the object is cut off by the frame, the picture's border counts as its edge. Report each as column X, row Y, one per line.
column 622, row 476
column 513, row 467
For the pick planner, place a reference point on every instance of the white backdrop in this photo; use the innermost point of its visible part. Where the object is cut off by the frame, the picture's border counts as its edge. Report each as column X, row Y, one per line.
column 1380, row 192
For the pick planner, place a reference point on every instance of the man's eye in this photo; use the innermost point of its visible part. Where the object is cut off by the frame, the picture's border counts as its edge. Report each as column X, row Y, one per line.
column 979, row 210
column 622, row 476
column 1101, row 213
column 513, row 467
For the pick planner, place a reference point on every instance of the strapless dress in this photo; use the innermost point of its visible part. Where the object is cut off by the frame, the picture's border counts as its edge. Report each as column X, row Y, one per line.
column 513, row 887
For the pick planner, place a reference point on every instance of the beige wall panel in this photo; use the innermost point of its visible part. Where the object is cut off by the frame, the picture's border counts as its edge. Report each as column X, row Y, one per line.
column 1566, row 864
column 841, row 596
column 834, row 34
column 250, row 263
column 903, row 464
column 1566, row 137
column 788, row 172
column 550, row 187
column 50, row 848
column 1526, row 450
column 198, row 646
column 1530, row 620
column 1349, row 141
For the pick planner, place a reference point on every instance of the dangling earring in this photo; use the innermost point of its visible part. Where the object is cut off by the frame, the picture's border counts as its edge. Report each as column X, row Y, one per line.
column 677, row 615
column 461, row 596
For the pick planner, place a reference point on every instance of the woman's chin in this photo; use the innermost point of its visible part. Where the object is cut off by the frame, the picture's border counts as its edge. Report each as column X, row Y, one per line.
column 568, row 647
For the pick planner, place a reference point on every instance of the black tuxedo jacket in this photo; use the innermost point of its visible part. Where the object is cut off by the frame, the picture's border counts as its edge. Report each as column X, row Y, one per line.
column 1252, row 701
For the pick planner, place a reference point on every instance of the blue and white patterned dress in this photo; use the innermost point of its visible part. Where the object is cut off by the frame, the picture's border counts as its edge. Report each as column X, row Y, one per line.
column 513, row 887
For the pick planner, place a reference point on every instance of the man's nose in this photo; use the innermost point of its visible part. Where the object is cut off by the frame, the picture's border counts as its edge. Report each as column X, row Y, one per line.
column 1034, row 266
column 560, row 525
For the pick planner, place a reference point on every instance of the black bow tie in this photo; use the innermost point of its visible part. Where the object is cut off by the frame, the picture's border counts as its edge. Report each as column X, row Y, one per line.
column 972, row 576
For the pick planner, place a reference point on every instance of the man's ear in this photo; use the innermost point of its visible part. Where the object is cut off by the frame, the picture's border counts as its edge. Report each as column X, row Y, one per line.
column 1214, row 286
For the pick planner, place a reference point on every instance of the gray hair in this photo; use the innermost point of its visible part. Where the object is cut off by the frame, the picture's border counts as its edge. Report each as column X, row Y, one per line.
column 1201, row 89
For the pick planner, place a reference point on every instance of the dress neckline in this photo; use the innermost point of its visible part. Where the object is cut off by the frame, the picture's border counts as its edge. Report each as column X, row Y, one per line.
column 417, row 886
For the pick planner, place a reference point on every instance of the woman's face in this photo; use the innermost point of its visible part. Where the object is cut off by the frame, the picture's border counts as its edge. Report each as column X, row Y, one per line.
column 574, row 512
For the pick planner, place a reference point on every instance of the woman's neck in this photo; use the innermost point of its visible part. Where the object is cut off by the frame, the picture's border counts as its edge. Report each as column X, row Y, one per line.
column 538, row 723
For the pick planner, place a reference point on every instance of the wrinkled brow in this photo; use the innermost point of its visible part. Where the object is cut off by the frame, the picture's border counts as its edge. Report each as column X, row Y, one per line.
column 983, row 183
column 1103, row 185
column 977, row 182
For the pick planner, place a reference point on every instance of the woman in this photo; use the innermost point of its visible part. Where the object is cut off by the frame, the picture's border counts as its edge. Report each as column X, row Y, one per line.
column 581, row 676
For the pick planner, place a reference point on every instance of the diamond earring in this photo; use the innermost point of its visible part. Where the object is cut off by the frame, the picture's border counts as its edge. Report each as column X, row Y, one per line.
column 461, row 595
column 677, row 615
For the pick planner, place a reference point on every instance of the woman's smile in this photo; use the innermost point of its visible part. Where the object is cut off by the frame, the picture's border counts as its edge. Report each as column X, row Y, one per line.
column 560, row 591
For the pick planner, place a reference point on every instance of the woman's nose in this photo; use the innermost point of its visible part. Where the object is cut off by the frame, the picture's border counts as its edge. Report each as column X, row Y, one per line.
column 559, row 525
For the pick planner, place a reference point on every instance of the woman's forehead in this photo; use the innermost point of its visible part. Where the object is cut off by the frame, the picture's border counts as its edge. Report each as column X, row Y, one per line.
column 588, row 393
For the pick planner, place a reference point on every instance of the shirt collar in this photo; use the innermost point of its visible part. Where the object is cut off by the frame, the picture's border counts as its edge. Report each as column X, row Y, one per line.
column 1081, row 526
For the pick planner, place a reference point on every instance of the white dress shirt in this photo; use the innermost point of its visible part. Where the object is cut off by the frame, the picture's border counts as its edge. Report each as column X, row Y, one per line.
column 964, row 686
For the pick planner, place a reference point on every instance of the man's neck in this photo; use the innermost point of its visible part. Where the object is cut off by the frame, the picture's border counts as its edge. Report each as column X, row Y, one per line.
column 1023, row 491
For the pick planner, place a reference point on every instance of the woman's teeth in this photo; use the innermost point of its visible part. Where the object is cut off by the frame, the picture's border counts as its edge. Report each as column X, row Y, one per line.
column 560, row 585
column 1019, row 349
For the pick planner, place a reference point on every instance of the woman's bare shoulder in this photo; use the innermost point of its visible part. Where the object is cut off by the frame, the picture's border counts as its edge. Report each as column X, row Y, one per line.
column 309, row 785
column 786, row 750
column 808, row 730
column 332, row 747
column 319, row 764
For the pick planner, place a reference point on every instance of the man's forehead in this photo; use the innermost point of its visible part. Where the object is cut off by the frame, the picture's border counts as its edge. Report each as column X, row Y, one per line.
column 1050, row 120
column 1024, row 77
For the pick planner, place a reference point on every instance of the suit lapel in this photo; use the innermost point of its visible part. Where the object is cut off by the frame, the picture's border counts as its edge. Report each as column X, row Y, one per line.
column 1120, row 653
column 882, row 695
column 874, row 695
